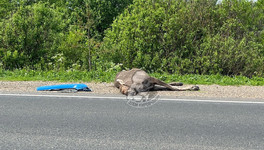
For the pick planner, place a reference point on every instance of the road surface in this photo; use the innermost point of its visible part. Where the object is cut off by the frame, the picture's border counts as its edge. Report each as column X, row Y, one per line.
column 55, row 122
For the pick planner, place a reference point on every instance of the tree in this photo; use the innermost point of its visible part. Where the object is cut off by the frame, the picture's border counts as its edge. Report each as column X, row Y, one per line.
column 32, row 32
column 189, row 37
column 102, row 12
column 6, row 6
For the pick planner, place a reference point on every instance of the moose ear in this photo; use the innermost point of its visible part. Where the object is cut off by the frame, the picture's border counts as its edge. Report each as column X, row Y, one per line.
column 120, row 81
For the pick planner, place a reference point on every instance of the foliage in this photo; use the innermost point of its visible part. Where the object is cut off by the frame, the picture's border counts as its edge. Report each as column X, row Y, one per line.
column 30, row 35
column 72, row 75
column 5, row 8
column 162, row 36
column 109, row 75
column 100, row 12
column 52, row 34
column 197, row 36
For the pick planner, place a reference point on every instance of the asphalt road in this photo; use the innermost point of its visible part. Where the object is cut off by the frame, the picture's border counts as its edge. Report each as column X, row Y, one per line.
column 34, row 123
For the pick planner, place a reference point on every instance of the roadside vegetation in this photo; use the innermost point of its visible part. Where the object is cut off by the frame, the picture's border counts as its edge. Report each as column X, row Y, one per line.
column 195, row 42
column 109, row 76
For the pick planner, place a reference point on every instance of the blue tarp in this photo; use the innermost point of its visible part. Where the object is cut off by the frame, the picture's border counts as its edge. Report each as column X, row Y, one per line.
column 78, row 87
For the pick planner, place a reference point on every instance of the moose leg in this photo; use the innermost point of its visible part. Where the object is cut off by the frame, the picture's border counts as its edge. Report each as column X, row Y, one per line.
column 159, row 82
column 192, row 88
column 176, row 84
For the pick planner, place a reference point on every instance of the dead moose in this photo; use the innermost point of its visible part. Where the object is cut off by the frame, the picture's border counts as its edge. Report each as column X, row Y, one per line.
column 134, row 81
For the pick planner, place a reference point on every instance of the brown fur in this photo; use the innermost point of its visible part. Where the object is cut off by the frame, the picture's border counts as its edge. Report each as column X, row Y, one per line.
column 133, row 81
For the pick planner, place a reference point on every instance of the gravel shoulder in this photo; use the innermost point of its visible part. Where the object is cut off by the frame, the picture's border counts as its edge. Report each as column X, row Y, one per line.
column 206, row 91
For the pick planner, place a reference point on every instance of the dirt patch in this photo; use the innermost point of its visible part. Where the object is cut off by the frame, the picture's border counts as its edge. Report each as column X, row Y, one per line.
column 210, row 91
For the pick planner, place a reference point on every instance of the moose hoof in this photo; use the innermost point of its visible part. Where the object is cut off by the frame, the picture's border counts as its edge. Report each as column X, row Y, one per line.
column 195, row 88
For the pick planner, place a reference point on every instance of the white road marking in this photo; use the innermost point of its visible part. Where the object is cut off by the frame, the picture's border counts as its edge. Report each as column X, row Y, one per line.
column 62, row 96
column 124, row 98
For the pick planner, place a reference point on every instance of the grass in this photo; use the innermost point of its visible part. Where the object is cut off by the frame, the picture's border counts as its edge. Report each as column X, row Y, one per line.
column 212, row 79
column 109, row 76
column 53, row 75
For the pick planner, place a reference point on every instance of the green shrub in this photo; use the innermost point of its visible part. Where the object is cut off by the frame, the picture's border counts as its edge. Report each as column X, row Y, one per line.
column 184, row 37
column 30, row 35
